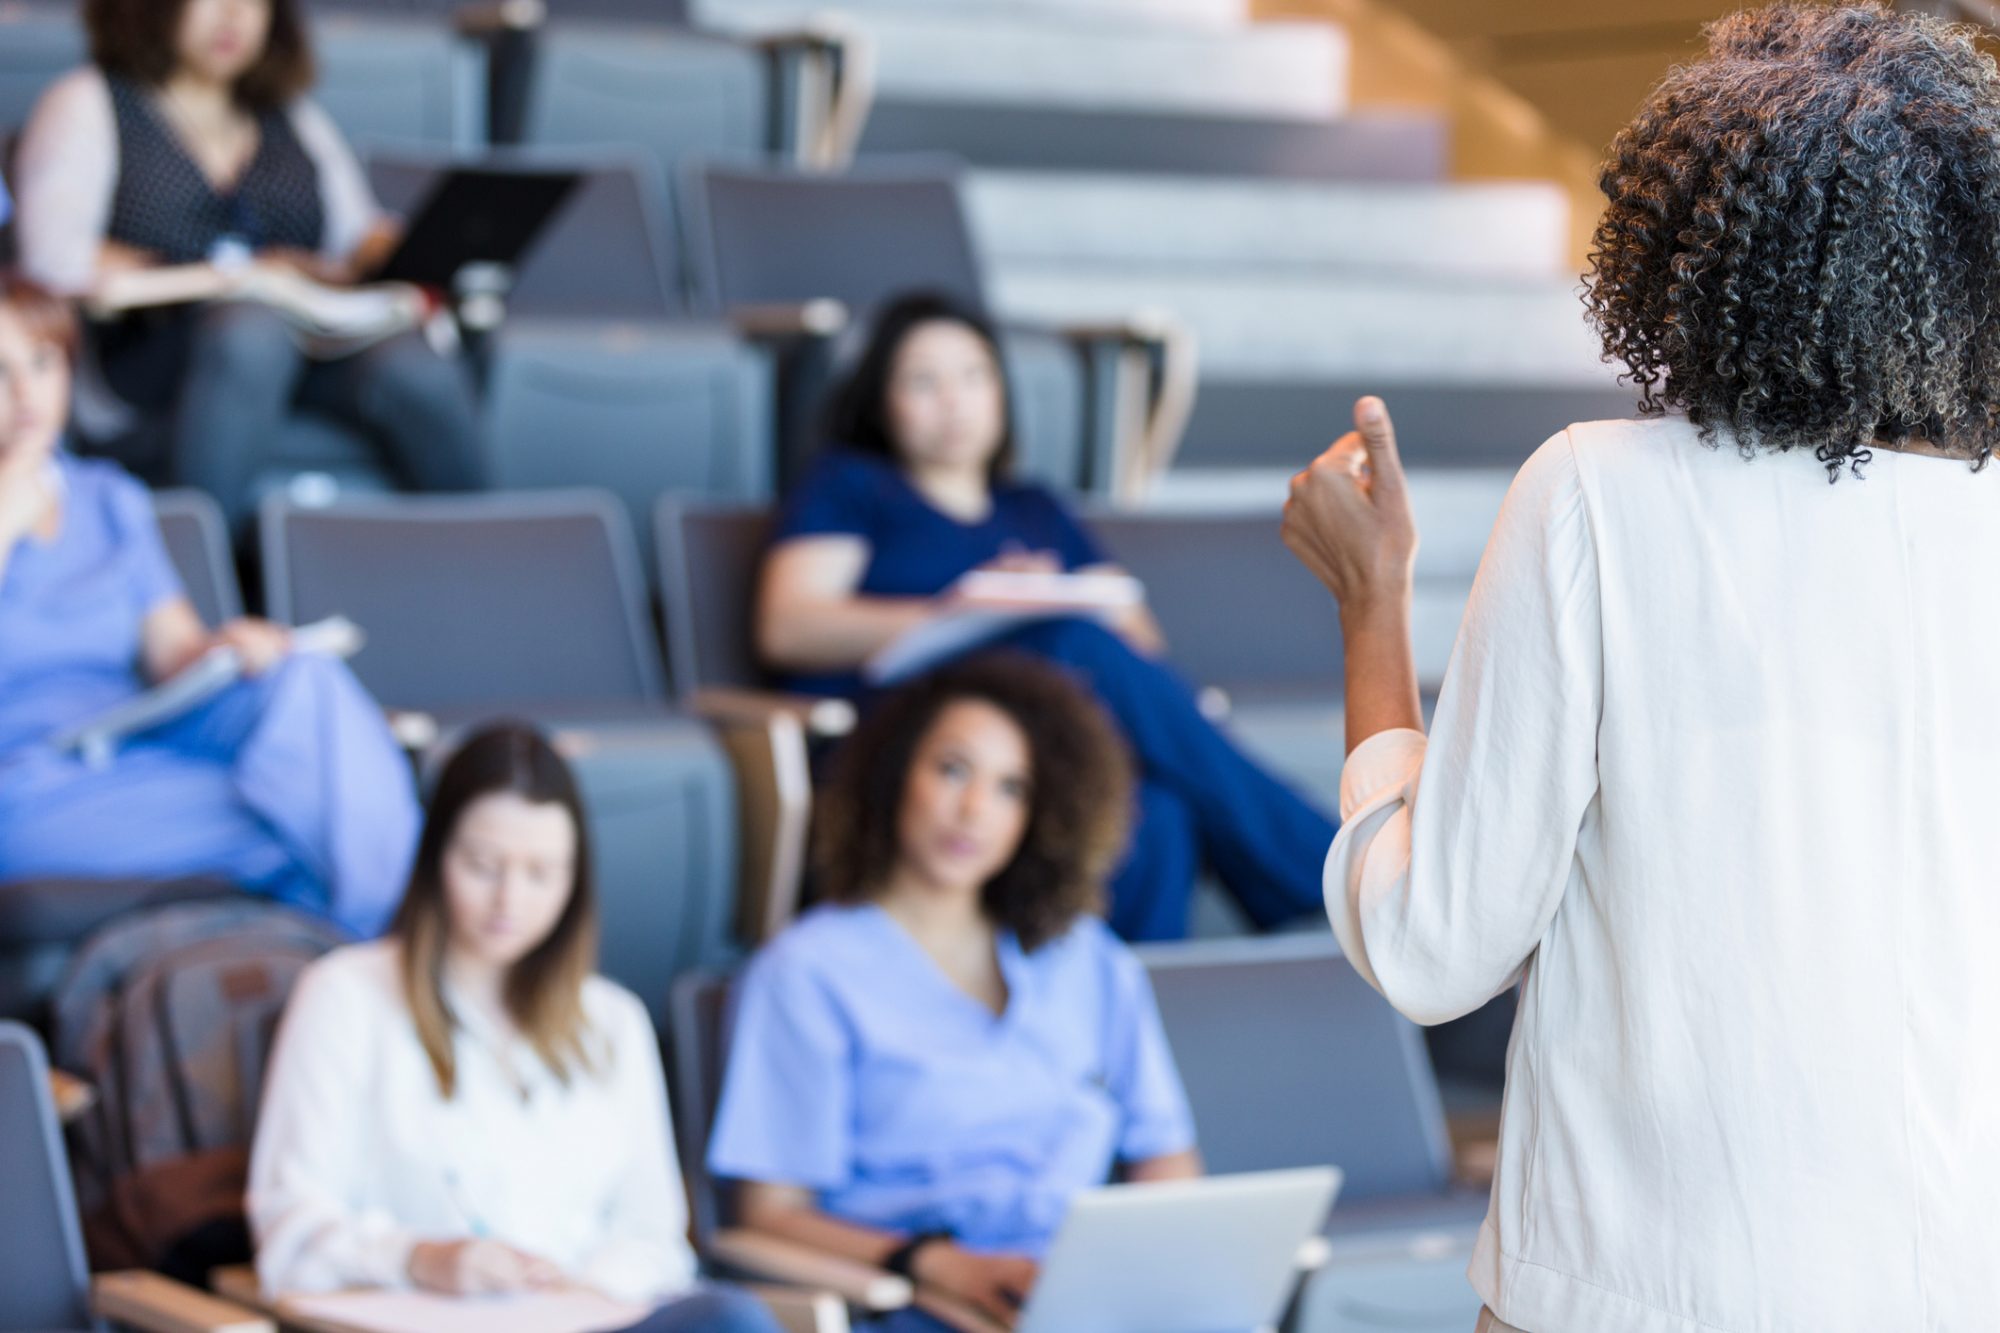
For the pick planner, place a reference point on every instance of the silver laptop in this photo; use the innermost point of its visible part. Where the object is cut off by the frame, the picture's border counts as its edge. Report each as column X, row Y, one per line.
column 1218, row 1255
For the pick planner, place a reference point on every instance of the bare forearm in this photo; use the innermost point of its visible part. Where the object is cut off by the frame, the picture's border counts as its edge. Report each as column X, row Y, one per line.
column 810, row 1227
column 1381, row 668
column 838, row 636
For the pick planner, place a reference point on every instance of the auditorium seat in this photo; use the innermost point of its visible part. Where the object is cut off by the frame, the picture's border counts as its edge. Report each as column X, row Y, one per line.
column 197, row 542
column 396, row 81
column 534, row 605
column 39, row 43
column 45, row 1283
column 1290, row 1059
column 761, row 239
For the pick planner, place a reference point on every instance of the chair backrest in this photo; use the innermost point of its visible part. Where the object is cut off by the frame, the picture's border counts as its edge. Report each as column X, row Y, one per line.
column 197, row 541
column 637, row 410
column 697, row 1018
column 669, row 95
column 38, row 45
column 606, row 253
column 708, row 557
column 474, row 601
column 390, row 80
column 1238, row 610
column 1291, row 1059
column 765, row 236
column 43, row 1278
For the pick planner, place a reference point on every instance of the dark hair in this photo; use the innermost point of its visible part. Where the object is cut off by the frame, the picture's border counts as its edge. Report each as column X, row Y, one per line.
column 544, row 990
column 48, row 317
column 138, row 40
column 1079, row 799
column 1802, row 246
column 857, row 414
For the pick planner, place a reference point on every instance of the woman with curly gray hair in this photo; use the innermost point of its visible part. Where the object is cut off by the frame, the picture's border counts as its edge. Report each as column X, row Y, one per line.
column 1713, row 770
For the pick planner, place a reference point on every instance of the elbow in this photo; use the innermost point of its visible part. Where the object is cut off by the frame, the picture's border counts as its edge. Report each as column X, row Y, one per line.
column 775, row 640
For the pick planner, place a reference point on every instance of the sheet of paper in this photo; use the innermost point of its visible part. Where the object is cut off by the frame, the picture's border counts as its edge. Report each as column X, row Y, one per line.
column 420, row 1312
column 993, row 603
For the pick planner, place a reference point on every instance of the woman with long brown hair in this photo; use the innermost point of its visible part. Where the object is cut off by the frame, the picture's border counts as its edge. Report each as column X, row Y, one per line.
column 464, row 1107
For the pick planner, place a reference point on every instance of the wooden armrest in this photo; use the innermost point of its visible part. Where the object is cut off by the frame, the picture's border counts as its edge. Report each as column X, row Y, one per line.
column 238, row 1282
column 822, row 318
column 160, row 1305
column 765, row 736
column 835, row 72
column 825, row 719
column 1148, row 367
column 797, row 1311
column 798, row 1265
column 489, row 17
column 957, row 1314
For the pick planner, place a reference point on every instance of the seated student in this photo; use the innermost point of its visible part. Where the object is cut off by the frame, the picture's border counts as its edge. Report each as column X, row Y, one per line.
column 464, row 1106
column 190, row 140
column 288, row 783
column 925, row 1069
column 914, row 495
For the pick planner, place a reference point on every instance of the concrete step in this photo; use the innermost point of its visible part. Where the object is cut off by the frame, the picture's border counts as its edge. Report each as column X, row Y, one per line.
column 1119, row 223
column 1188, row 13
column 1275, row 326
column 1028, row 56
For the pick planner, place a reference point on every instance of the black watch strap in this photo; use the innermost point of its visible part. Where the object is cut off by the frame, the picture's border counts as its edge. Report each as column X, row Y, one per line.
column 903, row 1258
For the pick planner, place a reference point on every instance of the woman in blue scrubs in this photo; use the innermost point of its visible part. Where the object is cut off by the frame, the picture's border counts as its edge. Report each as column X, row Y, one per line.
column 924, row 1070
column 288, row 783
column 915, row 494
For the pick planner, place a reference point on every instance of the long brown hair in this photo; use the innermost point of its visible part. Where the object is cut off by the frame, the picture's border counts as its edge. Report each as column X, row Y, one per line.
column 544, row 991
column 1080, row 793
column 48, row 317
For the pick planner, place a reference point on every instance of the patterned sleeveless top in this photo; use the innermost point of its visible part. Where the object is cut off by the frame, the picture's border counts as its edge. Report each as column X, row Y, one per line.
column 165, row 205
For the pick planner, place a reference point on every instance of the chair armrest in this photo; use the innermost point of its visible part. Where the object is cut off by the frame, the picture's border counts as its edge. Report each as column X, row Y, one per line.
column 823, row 318
column 1144, row 371
column 772, row 761
column 822, row 718
column 158, row 1304
column 798, row 1265
column 487, row 18
column 801, row 1311
column 827, row 68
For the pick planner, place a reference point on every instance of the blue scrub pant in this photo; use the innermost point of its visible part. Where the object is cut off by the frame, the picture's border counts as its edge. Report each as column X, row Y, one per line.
column 1200, row 797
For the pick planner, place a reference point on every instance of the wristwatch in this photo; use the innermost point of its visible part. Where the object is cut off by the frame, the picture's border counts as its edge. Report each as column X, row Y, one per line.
column 903, row 1259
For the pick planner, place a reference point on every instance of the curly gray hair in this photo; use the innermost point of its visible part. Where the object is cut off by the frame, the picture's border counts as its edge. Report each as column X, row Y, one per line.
column 1802, row 247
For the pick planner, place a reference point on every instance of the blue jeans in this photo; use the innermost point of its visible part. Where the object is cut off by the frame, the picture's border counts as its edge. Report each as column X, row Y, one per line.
column 1200, row 797
column 713, row 1310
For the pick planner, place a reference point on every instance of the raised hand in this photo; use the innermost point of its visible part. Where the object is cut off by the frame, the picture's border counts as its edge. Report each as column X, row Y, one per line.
column 1348, row 518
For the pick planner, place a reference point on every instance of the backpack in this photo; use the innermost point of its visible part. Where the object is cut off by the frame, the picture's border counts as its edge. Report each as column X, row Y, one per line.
column 170, row 1013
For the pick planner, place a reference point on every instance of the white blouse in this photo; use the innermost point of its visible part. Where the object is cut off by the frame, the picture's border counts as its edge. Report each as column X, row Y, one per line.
column 1714, row 773
column 66, row 175
column 358, row 1157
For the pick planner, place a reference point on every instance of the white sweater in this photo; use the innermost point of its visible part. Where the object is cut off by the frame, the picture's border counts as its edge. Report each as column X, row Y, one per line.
column 1716, row 761
column 358, row 1157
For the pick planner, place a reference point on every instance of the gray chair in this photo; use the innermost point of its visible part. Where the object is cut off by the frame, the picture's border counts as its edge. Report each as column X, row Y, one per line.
column 636, row 409
column 197, row 541
column 388, row 80
column 1290, row 1059
column 763, row 241
column 698, row 1047
column 39, row 43
column 45, row 1283
column 1245, row 620
column 534, row 605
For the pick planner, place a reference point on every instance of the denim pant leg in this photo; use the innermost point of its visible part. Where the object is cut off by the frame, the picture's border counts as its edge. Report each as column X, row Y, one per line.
column 1262, row 837
column 418, row 406
column 711, row 1310
column 242, row 371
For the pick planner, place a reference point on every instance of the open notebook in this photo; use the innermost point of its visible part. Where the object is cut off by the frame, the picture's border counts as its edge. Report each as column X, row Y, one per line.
column 990, row 604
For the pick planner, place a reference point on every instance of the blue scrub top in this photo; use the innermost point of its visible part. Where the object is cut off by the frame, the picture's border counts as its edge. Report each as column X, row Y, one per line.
column 857, row 1069
column 914, row 548
column 71, row 610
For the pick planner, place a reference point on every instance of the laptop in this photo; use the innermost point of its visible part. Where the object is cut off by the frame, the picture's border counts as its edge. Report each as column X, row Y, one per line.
column 1217, row 1255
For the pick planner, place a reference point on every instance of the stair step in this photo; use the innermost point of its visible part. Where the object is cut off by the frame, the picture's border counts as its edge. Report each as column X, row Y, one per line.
column 1287, row 325
column 1117, row 222
column 1285, row 69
